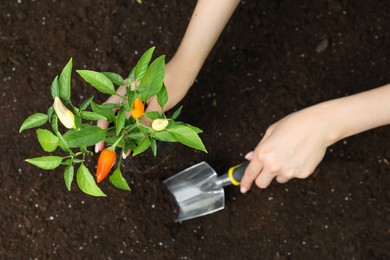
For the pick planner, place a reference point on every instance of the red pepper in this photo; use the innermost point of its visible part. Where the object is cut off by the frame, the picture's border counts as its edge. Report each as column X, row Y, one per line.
column 106, row 161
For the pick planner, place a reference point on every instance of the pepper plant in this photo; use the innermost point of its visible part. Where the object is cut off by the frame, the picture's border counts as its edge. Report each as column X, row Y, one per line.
column 69, row 143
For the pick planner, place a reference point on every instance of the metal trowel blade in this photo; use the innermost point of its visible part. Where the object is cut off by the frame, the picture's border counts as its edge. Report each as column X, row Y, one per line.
column 189, row 187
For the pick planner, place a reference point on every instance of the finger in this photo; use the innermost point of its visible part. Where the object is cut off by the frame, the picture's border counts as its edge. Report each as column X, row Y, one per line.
column 264, row 179
column 125, row 155
column 252, row 171
column 282, row 179
column 128, row 115
column 99, row 146
column 249, row 156
column 115, row 99
column 153, row 105
column 103, row 124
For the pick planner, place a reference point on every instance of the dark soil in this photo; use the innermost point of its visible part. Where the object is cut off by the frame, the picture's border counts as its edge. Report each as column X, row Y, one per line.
column 273, row 58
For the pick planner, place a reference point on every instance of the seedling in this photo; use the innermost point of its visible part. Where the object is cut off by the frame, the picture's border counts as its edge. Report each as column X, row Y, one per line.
column 76, row 134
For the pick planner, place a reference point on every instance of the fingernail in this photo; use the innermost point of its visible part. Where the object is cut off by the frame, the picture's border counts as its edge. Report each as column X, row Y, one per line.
column 249, row 155
column 96, row 148
column 243, row 190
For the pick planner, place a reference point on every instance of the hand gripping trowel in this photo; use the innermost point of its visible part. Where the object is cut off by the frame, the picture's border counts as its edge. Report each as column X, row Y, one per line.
column 198, row 190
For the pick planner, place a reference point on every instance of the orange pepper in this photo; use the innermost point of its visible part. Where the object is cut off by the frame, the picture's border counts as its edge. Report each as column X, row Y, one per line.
column 138, row 108
column 106, row 161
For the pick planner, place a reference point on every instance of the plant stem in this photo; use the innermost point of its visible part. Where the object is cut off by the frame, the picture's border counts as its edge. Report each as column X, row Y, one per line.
column 112, row 147
column 123, row 97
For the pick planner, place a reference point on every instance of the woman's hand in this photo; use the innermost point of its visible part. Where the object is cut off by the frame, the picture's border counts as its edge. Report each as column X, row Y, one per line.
column 295, row 145
column 290, row 148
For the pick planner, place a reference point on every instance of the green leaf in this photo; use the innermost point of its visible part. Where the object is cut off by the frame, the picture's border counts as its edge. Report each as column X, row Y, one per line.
column 135, row 135
column 129, row 145
column 62, row 142
column 111, row 139
column 87, row 115
column 98, row 81
column 109, row 106
column 75, row 160
column 164, row 136
column 187, row 136
column 106, row 111
column 87, row 183
column 131, row 77
column 153, row 78
column 67, row 162
column 177, row 113
column 142, row 64
column 196, row 129
column 115, row 78
column 54, row 123
column 162, row 96
column 77, row 121
column 126, row 107
column 68, row 176
column 86, row 104
column 118, row 181
column 55, row 88
column 83, row 149
column 47, row 140
column 88, row 136
column 64, row 81
column 46, row 162
column 153, row 145
column 145, row 129
column 130, row 97
column 153, row 115
column 50, row 113
column 34, row 120
column 120, row 121
column 142, row 146
column 75, row 110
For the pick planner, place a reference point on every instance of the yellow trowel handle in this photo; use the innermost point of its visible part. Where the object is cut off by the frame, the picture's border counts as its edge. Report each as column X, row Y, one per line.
column 235, row 173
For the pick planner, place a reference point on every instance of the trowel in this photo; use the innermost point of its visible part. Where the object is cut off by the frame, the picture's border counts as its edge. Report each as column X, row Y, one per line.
column 198, row 190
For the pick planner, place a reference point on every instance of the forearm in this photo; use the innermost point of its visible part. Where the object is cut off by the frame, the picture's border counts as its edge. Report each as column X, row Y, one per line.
column 360, row 112
column 295, row 145
column 207, row 22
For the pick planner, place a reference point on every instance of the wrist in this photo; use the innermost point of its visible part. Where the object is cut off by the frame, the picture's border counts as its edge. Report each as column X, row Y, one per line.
column 178, row 80
column 357, row 113
column 325, row 118
column 183, row 68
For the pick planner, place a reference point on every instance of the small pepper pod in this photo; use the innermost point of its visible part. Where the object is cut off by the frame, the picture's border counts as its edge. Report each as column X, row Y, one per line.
column 65, row 116
column 138, row 108
column 160, row 124
column 106, row 161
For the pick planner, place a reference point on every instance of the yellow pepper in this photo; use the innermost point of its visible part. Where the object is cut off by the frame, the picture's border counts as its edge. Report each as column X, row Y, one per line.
column 159, row 124
column 65, row 116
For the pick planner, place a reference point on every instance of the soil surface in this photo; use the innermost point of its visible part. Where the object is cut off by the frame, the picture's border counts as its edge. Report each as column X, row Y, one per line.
column 273, row 58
